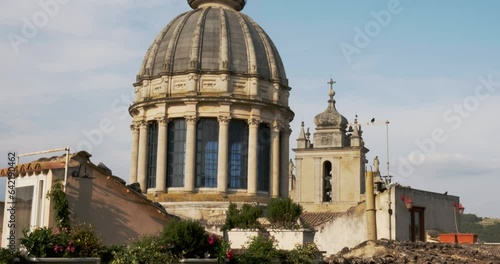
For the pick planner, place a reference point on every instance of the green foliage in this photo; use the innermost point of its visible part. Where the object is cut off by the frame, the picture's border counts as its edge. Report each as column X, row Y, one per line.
column 470, row 223
column 107, row 253
column 40, row 242
column 261, row 249
column 85, row 240
column 61, row 205
column 244, row 218
column 303, row 254
column 146, row 250
column 7, row 256
column 283, row 213
column 186, row 238
column 80, row 241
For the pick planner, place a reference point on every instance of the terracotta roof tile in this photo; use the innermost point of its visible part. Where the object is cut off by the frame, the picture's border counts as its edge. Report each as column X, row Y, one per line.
column 316, row 219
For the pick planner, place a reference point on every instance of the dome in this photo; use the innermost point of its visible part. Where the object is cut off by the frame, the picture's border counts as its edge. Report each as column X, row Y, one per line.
column 331, row 118
column 214, row 38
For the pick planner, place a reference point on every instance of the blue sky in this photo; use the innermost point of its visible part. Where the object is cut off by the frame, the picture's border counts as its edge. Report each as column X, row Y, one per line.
column 420, row 71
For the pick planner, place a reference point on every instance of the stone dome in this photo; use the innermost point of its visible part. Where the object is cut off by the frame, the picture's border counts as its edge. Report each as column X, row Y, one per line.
column 331, row 118
column 214, row 38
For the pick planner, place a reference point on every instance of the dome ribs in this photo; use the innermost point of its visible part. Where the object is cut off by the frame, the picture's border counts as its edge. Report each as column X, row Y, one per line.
column 252, row 63
column 197, row 42
column 172, row 44
column 224, row 42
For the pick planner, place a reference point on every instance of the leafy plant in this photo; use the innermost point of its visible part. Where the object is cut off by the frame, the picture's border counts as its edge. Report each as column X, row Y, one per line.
column 145, row 250
column 303, row 254
column 40, row 242
column 85, row 240
column 244, row 218
column 60, row 204
column 261, row 249
column 284, row 213
column 186, row 238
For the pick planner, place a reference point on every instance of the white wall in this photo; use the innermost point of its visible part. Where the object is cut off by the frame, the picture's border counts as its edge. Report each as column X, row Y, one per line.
column 39, row 208
column 347, row 230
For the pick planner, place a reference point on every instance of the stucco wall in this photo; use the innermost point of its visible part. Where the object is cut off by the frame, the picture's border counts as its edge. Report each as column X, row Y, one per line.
column 347, row 230
column 117, row 213
column 439, row 211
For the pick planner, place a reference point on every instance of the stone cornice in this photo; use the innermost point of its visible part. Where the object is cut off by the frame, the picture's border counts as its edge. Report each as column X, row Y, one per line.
column 199, row 99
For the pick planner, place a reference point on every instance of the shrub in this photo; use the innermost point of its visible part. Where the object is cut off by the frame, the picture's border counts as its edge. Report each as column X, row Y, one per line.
column 261, row 249
column 244, row 218
column 283, row 213
column 39, row 243
column 85, row 240
column 303, row 254
column 186, row 238
column 81, row 241
column 145, row 250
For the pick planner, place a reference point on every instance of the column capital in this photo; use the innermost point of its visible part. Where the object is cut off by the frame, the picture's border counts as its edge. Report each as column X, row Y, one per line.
column 253, row 122
column 162, row 120
column 135, row 127
column 142, row 124
column 224, row 120
column 276, row 126
column 191, row 119
column 287, row 130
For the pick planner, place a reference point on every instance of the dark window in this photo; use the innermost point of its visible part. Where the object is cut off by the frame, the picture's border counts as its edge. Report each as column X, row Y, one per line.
column 264, row 156
column 238, row 154
column 152, row 150
column 327, row 182
column 176, row 152
column 207, row 146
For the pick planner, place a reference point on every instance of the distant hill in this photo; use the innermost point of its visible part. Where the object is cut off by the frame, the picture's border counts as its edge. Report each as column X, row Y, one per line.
column 487, row 229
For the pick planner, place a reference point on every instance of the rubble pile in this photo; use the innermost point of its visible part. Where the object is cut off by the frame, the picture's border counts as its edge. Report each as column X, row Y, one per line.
column 385, row 251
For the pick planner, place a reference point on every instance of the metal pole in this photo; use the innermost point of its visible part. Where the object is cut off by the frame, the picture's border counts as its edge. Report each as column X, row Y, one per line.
column 66, row 169
column 42, row 152
column 387, row 135
column 49, row 151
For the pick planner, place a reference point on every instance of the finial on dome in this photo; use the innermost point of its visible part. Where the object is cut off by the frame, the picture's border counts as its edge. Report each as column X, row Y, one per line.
column 332, row 91
column 237, row 5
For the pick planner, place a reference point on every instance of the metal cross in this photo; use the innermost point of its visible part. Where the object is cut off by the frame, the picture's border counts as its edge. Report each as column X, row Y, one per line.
column 331, row 83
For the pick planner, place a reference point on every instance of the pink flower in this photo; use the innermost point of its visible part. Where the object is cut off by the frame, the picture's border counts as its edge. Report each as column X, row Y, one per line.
column 58, row 248
column 211, row 240
column 229, row 254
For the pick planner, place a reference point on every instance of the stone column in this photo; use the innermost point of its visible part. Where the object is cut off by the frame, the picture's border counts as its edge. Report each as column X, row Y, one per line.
column 275, row 160
column 371, row 220
column 161, row 156
column 222, row 154
column 253, row 128
column 190, row 153
column 285, row 173
column 143, row 148
column 135, row 152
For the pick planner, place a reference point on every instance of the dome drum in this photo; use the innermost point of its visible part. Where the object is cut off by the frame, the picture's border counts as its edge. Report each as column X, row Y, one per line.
column 211, row 115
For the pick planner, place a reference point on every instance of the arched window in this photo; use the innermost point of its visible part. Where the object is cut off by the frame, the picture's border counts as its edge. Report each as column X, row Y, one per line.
column 327, row 181
column 152, row 150
column 264, row 156
column 237, row 154
column 176, row 152
column 207, row 149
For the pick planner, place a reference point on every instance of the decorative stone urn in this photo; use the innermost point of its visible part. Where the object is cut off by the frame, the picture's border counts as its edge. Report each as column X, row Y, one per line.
column 288, row 239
